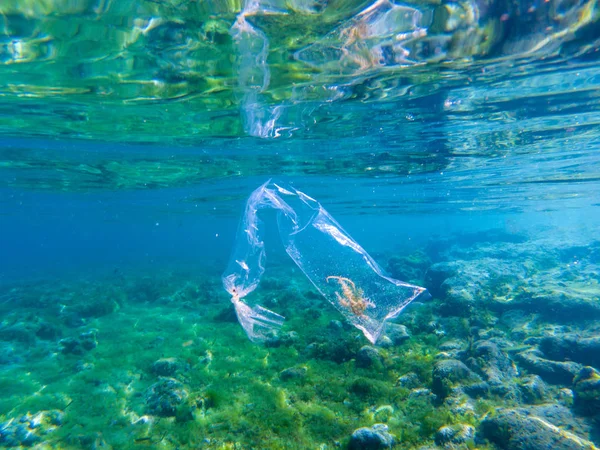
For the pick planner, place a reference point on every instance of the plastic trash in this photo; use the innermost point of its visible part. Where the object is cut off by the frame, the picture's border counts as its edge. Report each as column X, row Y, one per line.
column 341, row 270
column 379, row 37
column 254, row 76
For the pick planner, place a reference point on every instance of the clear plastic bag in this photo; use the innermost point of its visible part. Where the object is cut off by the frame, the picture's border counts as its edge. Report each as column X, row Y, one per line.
column 341, row 270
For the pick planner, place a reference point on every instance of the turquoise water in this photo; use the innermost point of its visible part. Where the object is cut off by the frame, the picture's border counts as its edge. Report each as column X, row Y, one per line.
column 456, row 143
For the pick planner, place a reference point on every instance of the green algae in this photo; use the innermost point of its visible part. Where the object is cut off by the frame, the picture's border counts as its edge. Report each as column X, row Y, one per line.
column 235, row 395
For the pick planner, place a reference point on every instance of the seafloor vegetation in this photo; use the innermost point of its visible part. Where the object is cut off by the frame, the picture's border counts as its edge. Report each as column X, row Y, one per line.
column 505, row 355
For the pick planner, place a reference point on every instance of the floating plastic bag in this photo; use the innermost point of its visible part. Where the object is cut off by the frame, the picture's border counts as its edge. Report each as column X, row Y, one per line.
column 341, row 270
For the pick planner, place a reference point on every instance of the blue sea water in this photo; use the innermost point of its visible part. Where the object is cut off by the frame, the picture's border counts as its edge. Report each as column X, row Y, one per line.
column 130, row 142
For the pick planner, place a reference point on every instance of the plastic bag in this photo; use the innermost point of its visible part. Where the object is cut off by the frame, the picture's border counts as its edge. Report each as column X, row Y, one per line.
column 341, row 270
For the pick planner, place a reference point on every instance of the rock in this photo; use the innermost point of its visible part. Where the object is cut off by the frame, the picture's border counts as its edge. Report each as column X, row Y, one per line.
column 70, row 346
column 565, row 396
column 333, row 348
column 566, row 306
column 436, row 275
column 516, row 429
column 553, row 372
column 422, row 394
column 88, row 340
column 25, row 435
column 56, row 417
column 572, row 347
column 397, row 333
column 477, row 389
column 452, row 435
column 558, row 415
column 409, row 381
column 384, row 342
column 73, row 320
column 517, row 319
column 281, row 339
column 452, row 345
column 18, row 332
column 78, row 346
column 48, row 331
column 449, row 374
column 373, row 438
column 587, row 391
column 292, row 373
column 458, row 298
column 368, row 356
column 493, row 363
column 411, row 268
column 166, row 367
column 164, row 397
column 533, row 389
column 383, row 413
column 28, row 430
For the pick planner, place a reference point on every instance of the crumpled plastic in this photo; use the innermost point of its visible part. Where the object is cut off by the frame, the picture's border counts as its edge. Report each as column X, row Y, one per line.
column 340, row 269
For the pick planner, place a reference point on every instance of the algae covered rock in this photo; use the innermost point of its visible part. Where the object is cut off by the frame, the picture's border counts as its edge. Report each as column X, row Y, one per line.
column 437, row 274
column 565, row 306
column 372, row 438
column 587, row 391
column 17, row 434
column 166, row 367
column 48, row 331
column 533, row 389
column 282, row 339
column 78, row 346
column 18, row 332
column 493, row 362
column 333, row 348
column 519, row 429
column 554, row 372
column 452, row 435
column 164, row 397
column 292, row 373
column 411, row 268
column 368, row 356
column 449, row 374
column 397, row 333
column 409, row 380
column 29, row 429
column 572, row 347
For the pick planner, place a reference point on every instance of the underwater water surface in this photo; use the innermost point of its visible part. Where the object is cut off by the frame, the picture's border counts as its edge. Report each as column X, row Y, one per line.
column 451, row 146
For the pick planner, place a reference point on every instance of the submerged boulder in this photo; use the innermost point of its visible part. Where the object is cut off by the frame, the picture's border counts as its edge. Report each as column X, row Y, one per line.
column 554, row 372
column 166, row 367
column 533, row 389
column 451, row 374
column 452, row 435
column 368, row 356
column 522, row 429
column 372, row 438
column 587, row 391
column 493, row 362
column 78, row 346
column 397, row 333
column 164, row 397
column 572, row 347
column 293, row 373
